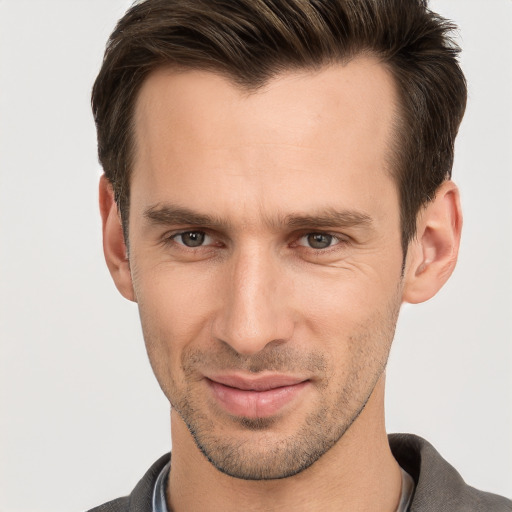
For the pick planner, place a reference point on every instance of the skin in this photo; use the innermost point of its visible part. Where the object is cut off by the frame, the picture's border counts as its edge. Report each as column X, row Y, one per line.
column 254, row 180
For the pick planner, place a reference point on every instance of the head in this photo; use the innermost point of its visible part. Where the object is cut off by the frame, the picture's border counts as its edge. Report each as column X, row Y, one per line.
column 271, row 163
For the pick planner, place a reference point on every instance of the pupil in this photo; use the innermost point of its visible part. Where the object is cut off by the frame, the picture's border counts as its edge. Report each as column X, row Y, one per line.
column 319, row 240
column 193, row 238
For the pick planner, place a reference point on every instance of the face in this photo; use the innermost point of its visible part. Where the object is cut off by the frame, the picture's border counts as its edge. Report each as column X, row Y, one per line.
column 265, row 257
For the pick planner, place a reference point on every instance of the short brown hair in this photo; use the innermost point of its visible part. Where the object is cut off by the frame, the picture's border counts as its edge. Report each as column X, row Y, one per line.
column 250, row 41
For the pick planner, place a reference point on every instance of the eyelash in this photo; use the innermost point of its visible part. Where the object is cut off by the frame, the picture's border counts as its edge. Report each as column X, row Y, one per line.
column 171, row 238
column 336, row 238
column 339, row 241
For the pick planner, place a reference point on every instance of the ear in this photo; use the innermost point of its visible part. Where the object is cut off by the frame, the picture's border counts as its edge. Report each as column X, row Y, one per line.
column 432, row 255
column 114, row 247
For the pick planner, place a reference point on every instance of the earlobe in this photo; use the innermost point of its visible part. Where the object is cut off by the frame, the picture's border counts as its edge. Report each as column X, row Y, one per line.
column 114, row 246
column 432, row 255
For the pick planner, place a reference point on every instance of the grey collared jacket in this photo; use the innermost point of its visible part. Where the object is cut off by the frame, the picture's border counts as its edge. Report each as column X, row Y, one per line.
column 439, row 487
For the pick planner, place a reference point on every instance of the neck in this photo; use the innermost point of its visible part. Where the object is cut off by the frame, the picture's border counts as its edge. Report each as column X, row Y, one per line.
column 357, row 473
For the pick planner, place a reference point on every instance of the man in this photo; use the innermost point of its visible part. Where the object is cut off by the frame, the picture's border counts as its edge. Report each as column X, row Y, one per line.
column 277, row 183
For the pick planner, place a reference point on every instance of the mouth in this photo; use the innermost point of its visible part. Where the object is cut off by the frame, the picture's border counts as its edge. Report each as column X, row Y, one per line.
column 256, row 396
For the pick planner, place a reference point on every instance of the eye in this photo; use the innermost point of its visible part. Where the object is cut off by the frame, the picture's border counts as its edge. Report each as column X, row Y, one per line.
column 192, row 238
column 318, row 240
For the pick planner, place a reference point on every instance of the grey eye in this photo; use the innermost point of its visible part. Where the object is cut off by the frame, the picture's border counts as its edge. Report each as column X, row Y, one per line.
column 319, row 240
column 191, row 238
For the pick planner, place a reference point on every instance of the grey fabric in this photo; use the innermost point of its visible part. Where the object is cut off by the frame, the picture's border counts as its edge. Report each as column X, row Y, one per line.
column 439, row 487
column 140, row 500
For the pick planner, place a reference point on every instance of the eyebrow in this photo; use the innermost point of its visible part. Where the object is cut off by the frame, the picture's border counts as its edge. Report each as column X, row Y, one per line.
column 166, row 214
column 170, row 215
column 329, row 218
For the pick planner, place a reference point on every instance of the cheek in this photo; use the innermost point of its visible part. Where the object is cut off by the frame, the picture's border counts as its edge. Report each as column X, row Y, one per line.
column 341, row 299
column 352, row 317
column 174, row 298
column 174, row 309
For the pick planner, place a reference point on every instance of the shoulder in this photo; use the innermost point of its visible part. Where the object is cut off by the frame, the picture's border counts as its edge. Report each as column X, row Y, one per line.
column 140, row 499
column 438, row 485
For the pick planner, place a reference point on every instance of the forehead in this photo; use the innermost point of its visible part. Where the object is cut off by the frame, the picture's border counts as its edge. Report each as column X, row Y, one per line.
column 351, row 96
column 199, row 135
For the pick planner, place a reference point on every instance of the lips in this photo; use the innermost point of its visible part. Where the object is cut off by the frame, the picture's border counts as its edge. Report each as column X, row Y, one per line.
column 255, row 396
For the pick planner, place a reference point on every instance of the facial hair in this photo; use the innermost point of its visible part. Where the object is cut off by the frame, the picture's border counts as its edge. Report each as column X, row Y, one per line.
column 259, row 453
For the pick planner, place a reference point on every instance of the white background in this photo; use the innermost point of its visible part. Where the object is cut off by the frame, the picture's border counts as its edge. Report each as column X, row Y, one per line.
column 81, row 415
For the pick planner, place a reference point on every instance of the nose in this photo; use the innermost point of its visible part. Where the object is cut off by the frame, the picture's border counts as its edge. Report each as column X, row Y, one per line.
column 255, row 308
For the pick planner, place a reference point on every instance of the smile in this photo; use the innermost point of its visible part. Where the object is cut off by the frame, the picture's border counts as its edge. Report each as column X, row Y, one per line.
column 259, row 397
